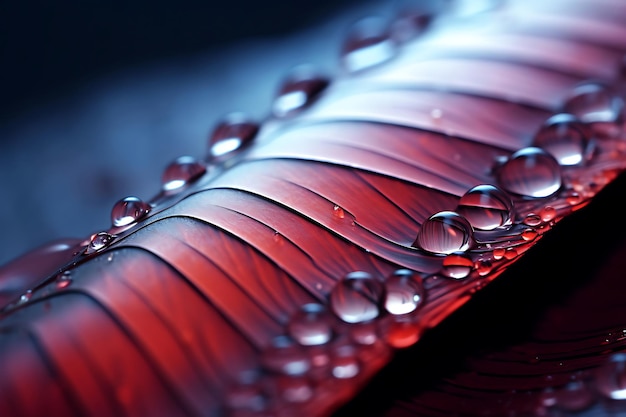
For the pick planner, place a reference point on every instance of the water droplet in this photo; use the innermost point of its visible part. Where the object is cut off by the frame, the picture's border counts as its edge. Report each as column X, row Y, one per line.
column 129, row 210
column 436, row 114
column 565, row 138
column 356, row 298
column 312, row 325
column 498, row 253
column 298, row 91
column 401, row 334
column 24, row 298
column 98, row 242
column 530, row 172
column 64, row 280
column 403, row 292
column 181, row 172
column 548, row 213
column 486, row 207
column 510, row 253
column 532, row 220
column 338, row 212
column 294, row 390
column 483, row 267
column 593, row 102
column 529, row 234
column 286, row 357
column 368, row 44
column 611, row 377
column 573, row 198
column 234, row 133
column 344, row 363
column 445, row 232
column 457, row 266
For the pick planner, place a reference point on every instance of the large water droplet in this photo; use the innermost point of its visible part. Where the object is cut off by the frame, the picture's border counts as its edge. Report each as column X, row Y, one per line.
column 486, row 207
column 444, row 233
column 565, row 138
column 403, row 292
column 611, row 377
column 181, row 172
column 98, row 242
column 594, row 102
column 368, row 44
column 530, row 172
column 356, row 298
column 312, row 325
column 129, row 210
column 457, row 265
column 298, row 91
column 284, row 356
column 235, row 132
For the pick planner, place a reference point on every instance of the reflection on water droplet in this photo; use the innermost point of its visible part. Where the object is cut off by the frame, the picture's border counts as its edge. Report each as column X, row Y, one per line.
column 611, row 377
column 356, row 298
column 24, row 298
column 129, row 210
column 368, row 44
column 181, row 172
column 594, row 102
column 498, row 253
column 563, row 137
column 311, row 326
column 64, row 280
column 457, row 266
column 486, row 207
column 444, row 233
column 232, row 134
column 298, row 91
column 529, row 234
column 338, row 212
column 403, row 292
column 548, row 213
column 285, row 357
column 530, row 172
column 98, row 242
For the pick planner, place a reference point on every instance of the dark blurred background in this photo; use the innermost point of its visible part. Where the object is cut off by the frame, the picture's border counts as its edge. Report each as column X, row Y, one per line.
column 96, row 97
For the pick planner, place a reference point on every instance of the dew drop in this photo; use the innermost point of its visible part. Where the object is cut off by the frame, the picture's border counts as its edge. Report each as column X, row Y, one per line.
column 234, row 133
column 401, row 334
column 298, row 91
column 344, row 363
column 404, row 292
column 483, row 267
column 24, row 298
column 529, row 234
column 181, row 172
column 368, row 44
column 611, row 377
column 498, row 253
column 284, row 356
column 63, row 280
column 595, row 103
column 457, row 266
column 532, row 219
column 573, row 198
column 444, row 233
column 565, row 138
column 129, row 210
column 294, row 390
column 311, row 326
column 486, row 207
column 338, row 212
column 510, row 253
column 98, row 242
column 530, row 172
column 356, row 298
column 548, row 213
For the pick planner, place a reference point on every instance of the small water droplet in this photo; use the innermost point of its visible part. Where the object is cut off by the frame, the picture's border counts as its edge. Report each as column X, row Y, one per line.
column 294, row 390
column 64, row 280
column 24, row 298
column 573, row 198
column 565, row 138
column 611, row 377
column 356, row 298
column 234, row 133
column 338, row 212
column 129, row 210
column 98, row 242
column 436, row 113
column 596, row 103
column 401, row 334
column 286, row 357
column 444, row 233
column 529, row 234
column 403, row 292
column 532, row 219
column 368, row 44
column 530, row 172
column 486, row 207
column 344, row 363
column 312, row 325
column 181, row 172
column 457, row 265
column 510, row 253
column 298, row 91
column 483, row 267
column 498, row 253
column 548, row 213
